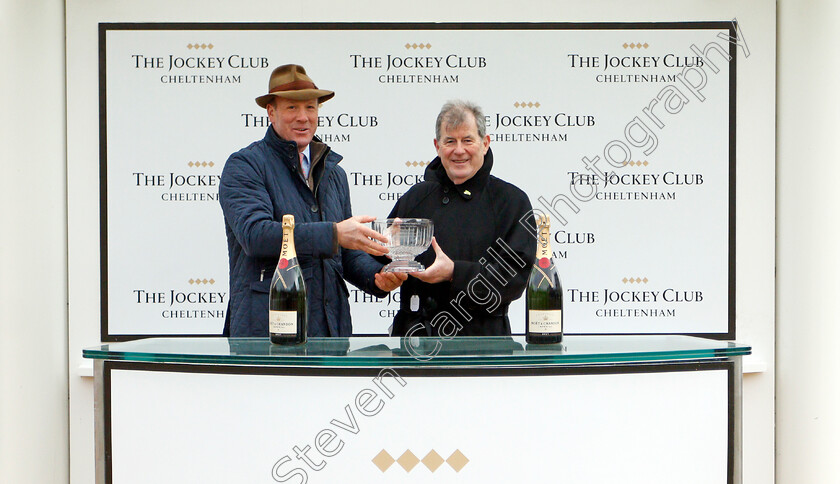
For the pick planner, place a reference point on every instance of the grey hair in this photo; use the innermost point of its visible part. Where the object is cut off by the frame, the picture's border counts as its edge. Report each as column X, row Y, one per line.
column 454, row 113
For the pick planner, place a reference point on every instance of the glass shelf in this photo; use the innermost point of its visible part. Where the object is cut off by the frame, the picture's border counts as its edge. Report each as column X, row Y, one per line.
column 403, row 352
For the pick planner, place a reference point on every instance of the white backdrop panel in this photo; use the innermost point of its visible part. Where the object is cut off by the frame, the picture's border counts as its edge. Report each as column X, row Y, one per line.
column 641, row 230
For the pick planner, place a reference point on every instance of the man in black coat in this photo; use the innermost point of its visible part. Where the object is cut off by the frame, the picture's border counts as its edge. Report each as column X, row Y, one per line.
column 484, row 244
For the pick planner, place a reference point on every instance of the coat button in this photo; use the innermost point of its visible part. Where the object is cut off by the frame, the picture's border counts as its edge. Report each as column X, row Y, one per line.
column 314, row 208
column 445, row 200
column 445, row 189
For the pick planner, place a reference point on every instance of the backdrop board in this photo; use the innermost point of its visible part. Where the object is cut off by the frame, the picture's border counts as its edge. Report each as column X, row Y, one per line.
column 623, row 133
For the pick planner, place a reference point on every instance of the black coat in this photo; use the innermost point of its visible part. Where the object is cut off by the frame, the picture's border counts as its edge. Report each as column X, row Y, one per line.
column 486, row 226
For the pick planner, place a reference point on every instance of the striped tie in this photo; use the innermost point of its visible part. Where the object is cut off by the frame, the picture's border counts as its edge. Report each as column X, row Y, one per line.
column 304, row 166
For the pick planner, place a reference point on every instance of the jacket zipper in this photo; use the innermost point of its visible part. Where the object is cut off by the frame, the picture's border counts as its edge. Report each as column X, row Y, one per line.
column 321, row 217
column 318, row 182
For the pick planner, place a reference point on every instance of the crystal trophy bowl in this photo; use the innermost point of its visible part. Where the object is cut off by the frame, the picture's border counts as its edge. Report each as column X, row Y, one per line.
column 407, row 238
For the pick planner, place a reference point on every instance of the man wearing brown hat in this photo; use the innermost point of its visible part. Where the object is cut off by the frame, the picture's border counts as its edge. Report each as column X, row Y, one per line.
column 292, row 172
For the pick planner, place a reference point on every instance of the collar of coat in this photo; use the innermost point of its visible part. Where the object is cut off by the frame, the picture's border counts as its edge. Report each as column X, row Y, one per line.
column 469, row 188
column 288, row 150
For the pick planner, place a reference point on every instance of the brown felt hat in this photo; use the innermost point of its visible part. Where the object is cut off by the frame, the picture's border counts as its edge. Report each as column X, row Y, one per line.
column 291, row 82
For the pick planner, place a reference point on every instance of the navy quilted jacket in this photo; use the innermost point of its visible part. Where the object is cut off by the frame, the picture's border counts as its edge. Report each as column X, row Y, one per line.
column 260, row 184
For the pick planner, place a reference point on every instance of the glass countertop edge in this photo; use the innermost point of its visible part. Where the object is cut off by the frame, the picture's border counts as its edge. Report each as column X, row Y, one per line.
column 439, row 360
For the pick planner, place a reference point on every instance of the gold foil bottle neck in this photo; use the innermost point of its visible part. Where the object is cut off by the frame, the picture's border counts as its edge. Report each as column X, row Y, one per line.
column 287, row 250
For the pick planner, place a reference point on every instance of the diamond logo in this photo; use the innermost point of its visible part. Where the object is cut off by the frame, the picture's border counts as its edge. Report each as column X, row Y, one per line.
column 408, row 460
column 383, row 460
column 457, row 460
column 433, row 460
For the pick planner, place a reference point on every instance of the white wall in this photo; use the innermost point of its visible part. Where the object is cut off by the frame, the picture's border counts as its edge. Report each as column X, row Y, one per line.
column 756, row 152
column 808, row 264
column 33, row 273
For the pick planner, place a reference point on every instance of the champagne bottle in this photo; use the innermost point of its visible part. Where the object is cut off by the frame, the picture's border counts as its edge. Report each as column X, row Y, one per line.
column 544, row 296
column 287, row 310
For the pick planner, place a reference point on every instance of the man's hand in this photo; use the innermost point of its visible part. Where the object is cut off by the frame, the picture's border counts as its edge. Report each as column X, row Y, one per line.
column 388, row 281
column 441, row 270
column 353, row 234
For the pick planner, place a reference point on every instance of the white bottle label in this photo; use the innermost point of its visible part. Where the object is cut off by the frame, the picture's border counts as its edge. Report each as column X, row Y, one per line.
column 282, row 322
column 545, row 321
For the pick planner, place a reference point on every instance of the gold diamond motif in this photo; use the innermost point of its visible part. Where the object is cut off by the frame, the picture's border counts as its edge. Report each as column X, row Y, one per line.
column 433, row 460
column 422, row 46
column 190, row 164
column 645, row 280
column 530, row 104
column 408, row 460
column 624, row 280
column 209, row 46
column 645, row 45
column 632, row 46
column 211, row 164
column 638, row 45
column 638, row 280
column 536, row 104
column 204, row 281
column 407, row 46
column 383, row 460
column 516, row 104
column 457, row 460
column 624, row 45
column 191, row 281
column 413, row 46
column 189, row 46
column 203, row 46
column 212, row 281
column 645, row 163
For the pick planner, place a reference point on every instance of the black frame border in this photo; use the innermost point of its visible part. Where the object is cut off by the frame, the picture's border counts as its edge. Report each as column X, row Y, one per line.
column 104, row 27
column 408, row 372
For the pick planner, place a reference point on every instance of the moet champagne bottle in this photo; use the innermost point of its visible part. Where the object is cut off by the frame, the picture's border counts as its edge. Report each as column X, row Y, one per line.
column 544, row 296
column 287, row 310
